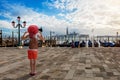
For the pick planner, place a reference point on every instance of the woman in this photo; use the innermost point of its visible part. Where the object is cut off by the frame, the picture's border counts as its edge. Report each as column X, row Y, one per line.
column 33, row 33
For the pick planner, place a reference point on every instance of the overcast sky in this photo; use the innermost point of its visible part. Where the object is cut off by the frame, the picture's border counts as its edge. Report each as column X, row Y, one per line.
column 82, row 16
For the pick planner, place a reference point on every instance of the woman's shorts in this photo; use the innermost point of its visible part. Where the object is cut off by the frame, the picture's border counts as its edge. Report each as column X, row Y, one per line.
column 32, row 54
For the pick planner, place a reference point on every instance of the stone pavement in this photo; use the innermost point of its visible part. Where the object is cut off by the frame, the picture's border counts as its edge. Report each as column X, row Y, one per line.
column 62, row 64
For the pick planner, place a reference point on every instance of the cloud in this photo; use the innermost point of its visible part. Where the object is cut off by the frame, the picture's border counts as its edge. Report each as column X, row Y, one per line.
column 78, row 15
column 4, row 23
column 32, row 17
column 96, row 14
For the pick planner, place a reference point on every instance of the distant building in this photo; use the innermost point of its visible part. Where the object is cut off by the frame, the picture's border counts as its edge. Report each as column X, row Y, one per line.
column 69, row 37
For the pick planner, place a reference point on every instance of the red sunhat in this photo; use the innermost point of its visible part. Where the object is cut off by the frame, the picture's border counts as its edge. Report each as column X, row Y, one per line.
column 32, row 29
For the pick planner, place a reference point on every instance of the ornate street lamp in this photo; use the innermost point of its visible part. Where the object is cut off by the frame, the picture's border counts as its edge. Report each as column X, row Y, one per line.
column 18, row 26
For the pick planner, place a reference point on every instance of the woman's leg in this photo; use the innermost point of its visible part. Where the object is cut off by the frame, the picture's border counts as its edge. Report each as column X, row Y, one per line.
column 34, row 66
column 31, row 63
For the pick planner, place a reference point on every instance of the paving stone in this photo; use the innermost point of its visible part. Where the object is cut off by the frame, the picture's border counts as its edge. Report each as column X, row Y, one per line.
column 72, row 59
column 105, row 65
column 81, row 78
column 107, row 69
column 96, row 70
column 107, row 62
column 66, row 68
column 110, row 73
column 89, row 78
column 70, row 74
column 116, row 73
column 80, row 72
column 90, row 75
column 114, row 78
column 81, row 67
column 45, row 71
column 113, row 70
column 88, row 61
column 105, row 75
column 98, row 78
column 45, row 77
column 88, row 66
column 88, row 71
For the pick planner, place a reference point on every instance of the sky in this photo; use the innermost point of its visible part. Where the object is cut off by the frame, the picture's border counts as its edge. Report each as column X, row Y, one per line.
column 98, row 17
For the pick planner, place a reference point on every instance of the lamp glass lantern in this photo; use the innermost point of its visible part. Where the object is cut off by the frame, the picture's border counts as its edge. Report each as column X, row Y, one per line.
column 24, row 23
column 18, row 18
column 13, row 23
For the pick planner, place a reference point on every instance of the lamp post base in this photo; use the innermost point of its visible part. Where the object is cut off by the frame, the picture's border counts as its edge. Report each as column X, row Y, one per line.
column 20, row 47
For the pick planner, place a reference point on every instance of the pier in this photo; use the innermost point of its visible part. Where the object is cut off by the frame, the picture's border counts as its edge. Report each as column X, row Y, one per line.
column 57, row 63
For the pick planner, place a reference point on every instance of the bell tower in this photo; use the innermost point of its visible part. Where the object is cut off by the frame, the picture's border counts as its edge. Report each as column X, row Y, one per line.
column 67, row 31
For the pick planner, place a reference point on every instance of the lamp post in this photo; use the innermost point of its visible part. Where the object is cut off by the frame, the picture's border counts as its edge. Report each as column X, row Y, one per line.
column 116, row 36
column 1, row 37
column 93, row 37
column 13, row 38
column 19, row 26
column 51, row 36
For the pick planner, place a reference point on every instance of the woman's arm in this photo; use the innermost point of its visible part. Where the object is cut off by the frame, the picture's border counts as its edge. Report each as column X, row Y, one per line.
column 25, row 35
column 42, row 38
